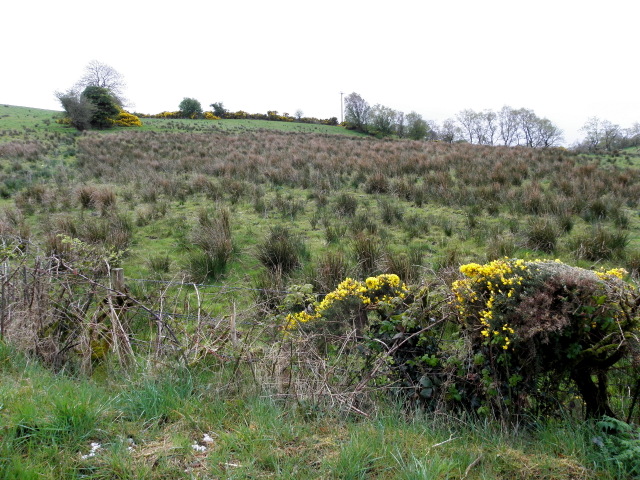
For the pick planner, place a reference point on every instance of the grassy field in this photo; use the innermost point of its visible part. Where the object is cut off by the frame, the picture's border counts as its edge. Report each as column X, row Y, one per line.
column 215, row 222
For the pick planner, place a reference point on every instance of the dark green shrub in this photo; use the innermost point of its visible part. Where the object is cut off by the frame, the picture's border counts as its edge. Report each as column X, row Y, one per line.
column 105, row 106
column 190, row 108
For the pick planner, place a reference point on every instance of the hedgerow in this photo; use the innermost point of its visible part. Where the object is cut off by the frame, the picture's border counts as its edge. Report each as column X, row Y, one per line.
column 508, row 338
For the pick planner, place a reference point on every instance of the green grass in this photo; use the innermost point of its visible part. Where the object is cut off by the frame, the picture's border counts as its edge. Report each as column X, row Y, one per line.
column 146, row 424
column 33, row 121
column 239, row 126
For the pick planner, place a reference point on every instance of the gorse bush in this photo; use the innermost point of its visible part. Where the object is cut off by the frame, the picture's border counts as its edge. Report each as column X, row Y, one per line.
column 126, row 119
column 529, row 321
column 523, row 331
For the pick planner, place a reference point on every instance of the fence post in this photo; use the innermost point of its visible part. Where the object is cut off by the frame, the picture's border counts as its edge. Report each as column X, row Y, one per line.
column 232, row 327
column 3, row 301
column 117, row 279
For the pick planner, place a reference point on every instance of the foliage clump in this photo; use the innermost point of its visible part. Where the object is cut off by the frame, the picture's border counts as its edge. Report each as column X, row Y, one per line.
column 514, row 337
column 126, row 119
column 537, row 325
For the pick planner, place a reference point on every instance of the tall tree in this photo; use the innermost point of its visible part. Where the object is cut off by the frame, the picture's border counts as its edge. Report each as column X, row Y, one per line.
column 611, row 134
column 508, row 126
column 547, row 134
column 593, row 131
column 98, row 74
column 467, row 120
column 190, row 108
column 449, row 131
column 417, row 127
column 382, row 120
column 401, row 125
column 357, row 111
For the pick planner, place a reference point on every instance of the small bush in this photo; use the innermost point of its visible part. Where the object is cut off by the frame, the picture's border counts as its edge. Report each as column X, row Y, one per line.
column 390, row 212
column 599, row 244
column 346, row 205
column 282, row 251
column 368, row 254
column 377, row 183
column 126, row 119
column 330, row 270
column 213, row 237
column 542, row 234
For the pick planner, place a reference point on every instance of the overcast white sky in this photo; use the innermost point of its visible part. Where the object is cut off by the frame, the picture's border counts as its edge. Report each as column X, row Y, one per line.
column 568, row 60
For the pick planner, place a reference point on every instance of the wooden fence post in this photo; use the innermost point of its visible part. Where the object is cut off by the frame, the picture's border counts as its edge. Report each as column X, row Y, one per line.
column 117, row 279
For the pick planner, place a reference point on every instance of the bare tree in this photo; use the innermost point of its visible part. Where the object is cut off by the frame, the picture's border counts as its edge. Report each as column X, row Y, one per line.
column 490, row 126
column 401, row 125
column 593, row 131
column 98, row 74
column 527, row 121
column 508, row 125
column 611, row 134
column 633, row 134
column 449, row 132
column 467, row 120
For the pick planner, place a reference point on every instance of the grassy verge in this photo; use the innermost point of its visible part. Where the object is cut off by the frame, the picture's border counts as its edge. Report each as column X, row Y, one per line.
column 161, row 422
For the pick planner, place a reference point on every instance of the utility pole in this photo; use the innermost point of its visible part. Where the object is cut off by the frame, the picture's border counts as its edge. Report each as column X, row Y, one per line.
column 341, row 109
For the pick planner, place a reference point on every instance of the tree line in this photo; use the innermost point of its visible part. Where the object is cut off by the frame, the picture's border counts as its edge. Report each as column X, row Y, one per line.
column 97, row 101
column 509, row 126
column 605, row 136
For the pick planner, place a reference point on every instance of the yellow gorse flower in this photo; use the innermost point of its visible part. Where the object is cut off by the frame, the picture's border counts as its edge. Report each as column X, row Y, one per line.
column 383, row 288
